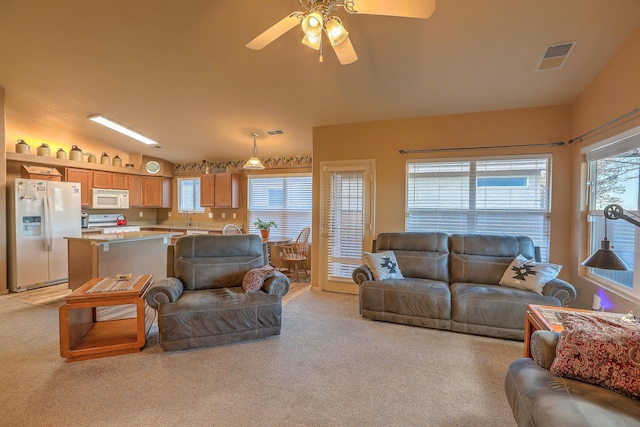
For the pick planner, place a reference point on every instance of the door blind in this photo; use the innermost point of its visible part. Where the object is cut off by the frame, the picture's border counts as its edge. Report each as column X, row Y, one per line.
column 345, row 222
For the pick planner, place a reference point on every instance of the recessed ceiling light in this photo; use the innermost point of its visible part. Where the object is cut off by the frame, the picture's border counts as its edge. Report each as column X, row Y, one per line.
column 118, row 127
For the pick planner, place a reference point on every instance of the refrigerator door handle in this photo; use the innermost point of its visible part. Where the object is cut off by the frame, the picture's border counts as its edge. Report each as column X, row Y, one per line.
column 47, row 224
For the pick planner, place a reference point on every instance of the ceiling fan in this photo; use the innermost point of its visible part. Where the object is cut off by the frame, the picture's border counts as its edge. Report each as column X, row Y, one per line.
column 317, row 17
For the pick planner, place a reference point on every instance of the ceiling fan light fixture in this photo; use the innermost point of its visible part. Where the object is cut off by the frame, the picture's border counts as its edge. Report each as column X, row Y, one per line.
column 311, row 41
column 312, row 24
column 254, row 162
column 336, row 32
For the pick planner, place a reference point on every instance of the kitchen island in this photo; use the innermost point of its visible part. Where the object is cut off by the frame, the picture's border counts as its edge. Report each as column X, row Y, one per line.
column 105, row 255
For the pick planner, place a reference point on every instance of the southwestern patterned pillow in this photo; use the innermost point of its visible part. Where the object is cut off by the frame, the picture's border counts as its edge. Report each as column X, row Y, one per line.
column 600, row 350
column 253, row 280
column 383, row 265
column 528, row 275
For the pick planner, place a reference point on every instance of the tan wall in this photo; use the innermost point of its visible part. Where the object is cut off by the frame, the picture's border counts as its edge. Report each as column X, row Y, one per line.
column 614, row 92
column 3, row 200
column 383, row 140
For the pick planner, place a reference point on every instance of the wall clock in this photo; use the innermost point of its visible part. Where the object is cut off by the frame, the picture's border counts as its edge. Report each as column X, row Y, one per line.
column 152, row 167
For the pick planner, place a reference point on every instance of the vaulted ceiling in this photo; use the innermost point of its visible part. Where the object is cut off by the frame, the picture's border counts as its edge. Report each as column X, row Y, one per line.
column 179, row 71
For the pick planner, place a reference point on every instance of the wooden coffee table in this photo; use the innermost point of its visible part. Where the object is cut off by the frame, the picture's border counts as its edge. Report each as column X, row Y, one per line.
column 543, row 317
column 83, row 337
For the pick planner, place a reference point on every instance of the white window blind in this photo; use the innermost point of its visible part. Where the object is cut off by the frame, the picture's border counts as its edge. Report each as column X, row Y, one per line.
column 189, row 195
column 490, row 196
column 345, row 222
column 614, row 175
column 284, row 199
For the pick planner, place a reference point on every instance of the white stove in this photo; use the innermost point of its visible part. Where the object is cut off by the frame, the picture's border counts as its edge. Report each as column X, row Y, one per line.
column 108, row 224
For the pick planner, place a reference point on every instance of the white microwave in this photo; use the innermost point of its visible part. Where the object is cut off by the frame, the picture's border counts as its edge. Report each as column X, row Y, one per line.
column 109, row 199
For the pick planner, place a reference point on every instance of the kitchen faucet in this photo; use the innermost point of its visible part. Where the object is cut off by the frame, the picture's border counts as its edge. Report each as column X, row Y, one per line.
column 188, row 218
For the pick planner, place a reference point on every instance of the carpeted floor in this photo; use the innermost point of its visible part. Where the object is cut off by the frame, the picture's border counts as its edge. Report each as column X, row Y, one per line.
column 329, row 367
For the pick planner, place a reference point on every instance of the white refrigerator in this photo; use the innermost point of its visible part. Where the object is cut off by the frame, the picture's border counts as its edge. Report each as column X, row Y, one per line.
column 42, row 214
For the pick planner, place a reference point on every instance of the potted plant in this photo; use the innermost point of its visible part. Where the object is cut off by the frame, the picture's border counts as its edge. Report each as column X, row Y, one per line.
column 264, row 227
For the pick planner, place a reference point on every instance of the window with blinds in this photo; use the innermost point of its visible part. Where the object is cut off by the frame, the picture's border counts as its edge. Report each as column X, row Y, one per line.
column 492, row 196
column 189, row 195
column 345, row 222
column 614, row 178
column 284, row 199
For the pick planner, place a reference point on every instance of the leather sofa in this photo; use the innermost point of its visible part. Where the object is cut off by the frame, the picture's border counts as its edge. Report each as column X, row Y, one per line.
column 540, row 398
column 204, row 303
column 451, row 282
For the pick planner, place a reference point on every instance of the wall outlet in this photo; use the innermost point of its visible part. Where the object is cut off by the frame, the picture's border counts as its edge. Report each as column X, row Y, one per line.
column 210, row 214
column 141, row 214
column 223, row 215
column 168, row 214
column 234, row 215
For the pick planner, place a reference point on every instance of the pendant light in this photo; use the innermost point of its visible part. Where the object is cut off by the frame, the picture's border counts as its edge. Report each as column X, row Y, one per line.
column 254, row 163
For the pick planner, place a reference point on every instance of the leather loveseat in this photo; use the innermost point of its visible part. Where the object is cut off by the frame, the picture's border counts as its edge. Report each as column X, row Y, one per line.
column 205, row 304
column 540, row 398
column 451, row 282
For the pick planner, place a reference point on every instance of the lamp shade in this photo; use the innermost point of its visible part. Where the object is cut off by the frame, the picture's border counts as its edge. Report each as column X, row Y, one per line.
column 254, row 162
column 336, row 32
column 605, row 258
column 312, row 24
column 311, row 41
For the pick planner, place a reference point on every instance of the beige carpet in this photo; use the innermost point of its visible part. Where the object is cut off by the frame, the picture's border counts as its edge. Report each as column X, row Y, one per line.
column 329, row 367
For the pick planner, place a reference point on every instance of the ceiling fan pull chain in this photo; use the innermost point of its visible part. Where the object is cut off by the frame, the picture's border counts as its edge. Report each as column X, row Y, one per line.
column 320, row 47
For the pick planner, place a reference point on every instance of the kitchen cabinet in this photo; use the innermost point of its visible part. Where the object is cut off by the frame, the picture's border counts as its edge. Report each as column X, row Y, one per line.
column 110, row 180
column 156, row 192
column 119, row 181
column 135, row 191
column 85, row 178
column 102, row 179
column 220, row 190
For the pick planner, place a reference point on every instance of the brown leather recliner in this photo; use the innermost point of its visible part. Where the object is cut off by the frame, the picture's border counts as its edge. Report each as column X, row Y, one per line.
column 204, row 304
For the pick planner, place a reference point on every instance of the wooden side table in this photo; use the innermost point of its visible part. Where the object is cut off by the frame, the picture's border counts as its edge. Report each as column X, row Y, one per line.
column 83, row 337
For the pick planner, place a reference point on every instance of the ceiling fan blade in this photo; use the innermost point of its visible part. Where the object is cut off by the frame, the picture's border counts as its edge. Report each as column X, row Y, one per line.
column 275, row 31
column 404, row 8
column 345, row 52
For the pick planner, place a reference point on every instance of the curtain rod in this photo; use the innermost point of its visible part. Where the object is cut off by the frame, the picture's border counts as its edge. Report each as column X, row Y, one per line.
column 550, row 144
column 616, row 120
column 431, row 150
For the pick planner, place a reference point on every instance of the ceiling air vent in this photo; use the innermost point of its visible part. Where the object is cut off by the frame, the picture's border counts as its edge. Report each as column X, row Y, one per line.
column 274, row 132
column 555, row 56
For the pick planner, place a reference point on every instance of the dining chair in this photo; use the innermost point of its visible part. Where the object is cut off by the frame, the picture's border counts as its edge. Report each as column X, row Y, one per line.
column 297, row 254
column 231, row 229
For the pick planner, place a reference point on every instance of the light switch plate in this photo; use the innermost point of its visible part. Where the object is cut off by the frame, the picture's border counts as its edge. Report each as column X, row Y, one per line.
column 210, row 214
column 234, row 215
column 169, row 214
column 223, row 215
column 141, row 214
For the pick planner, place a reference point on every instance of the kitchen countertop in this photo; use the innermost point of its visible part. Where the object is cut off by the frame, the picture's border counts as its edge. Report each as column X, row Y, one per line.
column 204, row 227
column 97, row 238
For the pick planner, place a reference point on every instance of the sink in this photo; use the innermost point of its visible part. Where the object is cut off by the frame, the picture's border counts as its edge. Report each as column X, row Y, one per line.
column 189, row 232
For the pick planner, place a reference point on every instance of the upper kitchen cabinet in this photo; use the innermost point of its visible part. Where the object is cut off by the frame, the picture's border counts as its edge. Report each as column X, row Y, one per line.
column 120, row 181
column 114, row 181
column 135, row 191
column 220, row 190
column 102, row 179
column 85, row 178
column 156, row 192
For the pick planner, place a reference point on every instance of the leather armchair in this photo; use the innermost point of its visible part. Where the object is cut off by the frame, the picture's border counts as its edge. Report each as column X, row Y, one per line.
column 204, row 303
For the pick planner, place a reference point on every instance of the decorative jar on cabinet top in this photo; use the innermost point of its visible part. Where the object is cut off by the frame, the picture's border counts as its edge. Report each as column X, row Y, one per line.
column 76, row 154
column 43, row 150
column 22, row 147
column 61, row 154
column 117, row 161
column 105, row 159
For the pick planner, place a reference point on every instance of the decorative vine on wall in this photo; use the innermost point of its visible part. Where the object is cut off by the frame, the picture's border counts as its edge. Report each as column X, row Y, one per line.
column 205, row 166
